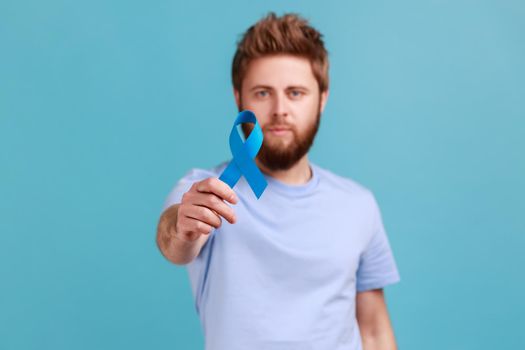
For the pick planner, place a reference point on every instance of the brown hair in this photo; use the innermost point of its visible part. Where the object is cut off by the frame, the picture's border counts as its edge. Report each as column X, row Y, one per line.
column 288, row 34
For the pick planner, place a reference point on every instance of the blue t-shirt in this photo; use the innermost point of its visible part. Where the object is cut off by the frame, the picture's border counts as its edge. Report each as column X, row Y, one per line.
column 285, row 275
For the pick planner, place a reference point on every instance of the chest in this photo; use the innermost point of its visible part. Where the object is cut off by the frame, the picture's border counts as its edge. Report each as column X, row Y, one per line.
column 298, row 242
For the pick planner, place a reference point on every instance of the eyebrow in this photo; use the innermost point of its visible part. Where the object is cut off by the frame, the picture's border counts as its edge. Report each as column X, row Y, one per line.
column 291, row 87
column 261, row 87
column 297, row 87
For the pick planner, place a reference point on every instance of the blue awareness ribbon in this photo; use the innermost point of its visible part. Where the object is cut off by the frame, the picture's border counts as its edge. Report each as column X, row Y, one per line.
column 243, row 154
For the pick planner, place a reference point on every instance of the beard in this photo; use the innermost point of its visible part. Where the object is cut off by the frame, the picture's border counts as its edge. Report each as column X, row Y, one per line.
column 276, row 153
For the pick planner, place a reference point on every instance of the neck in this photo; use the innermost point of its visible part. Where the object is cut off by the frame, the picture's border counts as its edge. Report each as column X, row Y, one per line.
column 300, row 173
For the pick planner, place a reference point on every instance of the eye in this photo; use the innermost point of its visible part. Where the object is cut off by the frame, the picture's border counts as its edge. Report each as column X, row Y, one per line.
column 296, row 93
column 261, row 93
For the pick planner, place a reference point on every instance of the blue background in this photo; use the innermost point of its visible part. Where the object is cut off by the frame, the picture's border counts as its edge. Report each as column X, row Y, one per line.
column 104, row 105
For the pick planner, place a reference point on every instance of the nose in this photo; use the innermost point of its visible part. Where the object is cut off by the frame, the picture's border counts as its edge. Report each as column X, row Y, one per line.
column 280, row 106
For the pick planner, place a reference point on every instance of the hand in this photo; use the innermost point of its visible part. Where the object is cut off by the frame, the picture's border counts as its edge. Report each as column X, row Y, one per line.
column 201, row 209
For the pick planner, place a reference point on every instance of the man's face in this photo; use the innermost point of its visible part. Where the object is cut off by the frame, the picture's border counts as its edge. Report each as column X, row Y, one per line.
column 284, row 95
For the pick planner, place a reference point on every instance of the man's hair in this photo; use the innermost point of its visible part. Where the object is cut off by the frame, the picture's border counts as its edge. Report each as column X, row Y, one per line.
column 288, row 34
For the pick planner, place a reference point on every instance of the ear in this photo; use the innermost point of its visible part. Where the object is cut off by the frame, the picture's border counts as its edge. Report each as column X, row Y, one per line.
column 324, row 99
column 237, row 98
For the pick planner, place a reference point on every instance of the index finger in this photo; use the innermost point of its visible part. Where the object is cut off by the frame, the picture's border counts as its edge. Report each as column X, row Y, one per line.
column 217, row 187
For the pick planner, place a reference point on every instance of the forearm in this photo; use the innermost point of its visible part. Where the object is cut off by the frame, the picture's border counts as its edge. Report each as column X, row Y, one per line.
column 174, row 249
column 380, row 341
column 374, row 322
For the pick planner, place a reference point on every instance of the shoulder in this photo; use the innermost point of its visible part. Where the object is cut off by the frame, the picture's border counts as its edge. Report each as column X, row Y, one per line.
column 344, row 184
column 349, row 190
column 197, row 173
column 188, row 179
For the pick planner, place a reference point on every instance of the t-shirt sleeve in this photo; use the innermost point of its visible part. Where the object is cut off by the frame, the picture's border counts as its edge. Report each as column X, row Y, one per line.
column 184, row 184
column 377, row 266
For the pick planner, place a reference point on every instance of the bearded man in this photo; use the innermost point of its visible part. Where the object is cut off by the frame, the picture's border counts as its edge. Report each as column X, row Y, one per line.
column 303, row 267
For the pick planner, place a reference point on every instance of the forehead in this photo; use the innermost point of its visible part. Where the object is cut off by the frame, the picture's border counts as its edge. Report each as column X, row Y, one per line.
column 279, row 71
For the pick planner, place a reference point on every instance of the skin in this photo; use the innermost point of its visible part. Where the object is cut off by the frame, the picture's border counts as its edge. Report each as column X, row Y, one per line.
column 280, row 90
column 374, row 322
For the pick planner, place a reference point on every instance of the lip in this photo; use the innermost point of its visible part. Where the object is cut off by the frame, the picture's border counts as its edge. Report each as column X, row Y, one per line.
column 279, row 128
column 279, row 131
